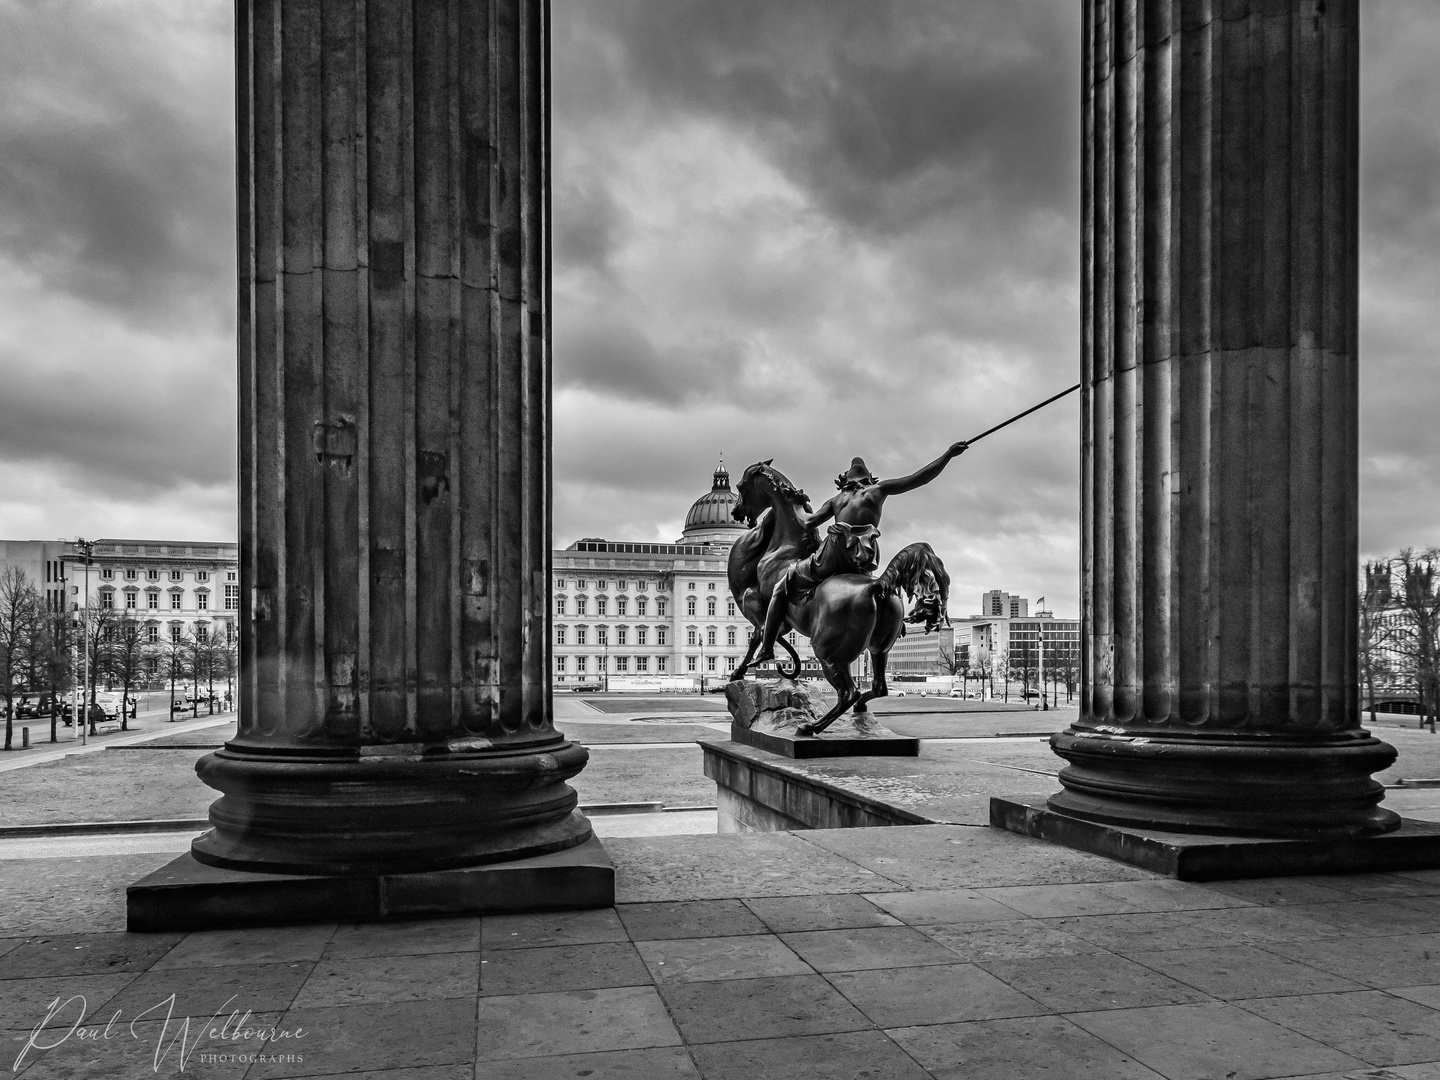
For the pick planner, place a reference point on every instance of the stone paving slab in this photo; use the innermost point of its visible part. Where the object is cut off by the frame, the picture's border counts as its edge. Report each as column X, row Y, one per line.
column 907, row 953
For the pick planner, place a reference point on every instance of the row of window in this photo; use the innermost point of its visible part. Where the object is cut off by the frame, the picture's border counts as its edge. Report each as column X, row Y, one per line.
column 642, row 607
column 602, row 635
column 582, row 606
column 108, row 574
column 581, row 583
column 622, row 664
column 177, row 599
column 177, row 632
column 581, row 635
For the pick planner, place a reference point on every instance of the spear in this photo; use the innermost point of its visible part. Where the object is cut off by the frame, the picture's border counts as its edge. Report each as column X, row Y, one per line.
column 1021, row 416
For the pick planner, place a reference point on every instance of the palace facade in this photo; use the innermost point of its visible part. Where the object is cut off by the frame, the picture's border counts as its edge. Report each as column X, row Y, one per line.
column 627, row 613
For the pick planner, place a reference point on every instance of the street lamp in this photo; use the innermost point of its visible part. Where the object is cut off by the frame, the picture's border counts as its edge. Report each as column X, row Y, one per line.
column 86, row 548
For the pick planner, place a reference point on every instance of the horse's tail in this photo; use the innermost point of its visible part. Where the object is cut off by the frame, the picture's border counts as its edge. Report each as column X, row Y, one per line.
column 907, row 569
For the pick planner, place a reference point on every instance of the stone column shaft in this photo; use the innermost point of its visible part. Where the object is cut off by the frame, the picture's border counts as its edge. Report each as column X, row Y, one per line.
column 1219, row 402
column 394, row 352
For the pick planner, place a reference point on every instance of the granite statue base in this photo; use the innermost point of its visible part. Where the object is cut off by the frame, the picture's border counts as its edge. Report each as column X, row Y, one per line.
column 1415, row 845
column 767, row 716
column 189, row 895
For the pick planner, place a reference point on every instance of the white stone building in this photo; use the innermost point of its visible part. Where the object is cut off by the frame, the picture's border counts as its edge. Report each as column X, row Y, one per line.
column 174, row 587
column 627, row 614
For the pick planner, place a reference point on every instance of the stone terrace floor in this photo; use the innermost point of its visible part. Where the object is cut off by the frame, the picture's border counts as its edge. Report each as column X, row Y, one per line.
column 892, row 954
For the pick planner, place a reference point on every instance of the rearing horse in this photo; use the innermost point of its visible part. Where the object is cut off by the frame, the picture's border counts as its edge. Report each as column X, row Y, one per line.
column 846, row 614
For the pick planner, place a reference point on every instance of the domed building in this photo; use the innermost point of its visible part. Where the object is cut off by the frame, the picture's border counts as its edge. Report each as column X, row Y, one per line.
column 628, row 614
column 711, row 519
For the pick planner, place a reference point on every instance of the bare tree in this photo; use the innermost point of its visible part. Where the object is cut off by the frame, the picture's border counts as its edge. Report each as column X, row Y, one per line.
column 125, row 659
column 1416, row 633
column 984, row 669
column 174, row 653
column 1376, row 627
column 19, row 603
column 56, row 653
column 95, row 635
column 1001, row 665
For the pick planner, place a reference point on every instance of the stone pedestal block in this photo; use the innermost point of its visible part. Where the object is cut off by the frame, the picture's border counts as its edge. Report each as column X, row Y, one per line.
column 765, row 715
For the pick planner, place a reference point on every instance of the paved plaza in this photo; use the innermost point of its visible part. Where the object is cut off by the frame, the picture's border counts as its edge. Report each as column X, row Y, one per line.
column 939, row 951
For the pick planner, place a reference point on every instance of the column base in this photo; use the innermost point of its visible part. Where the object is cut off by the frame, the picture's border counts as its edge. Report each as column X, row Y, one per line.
column 392, row 813
column 190, row 895
column 1237, row 785
column 1412, row 845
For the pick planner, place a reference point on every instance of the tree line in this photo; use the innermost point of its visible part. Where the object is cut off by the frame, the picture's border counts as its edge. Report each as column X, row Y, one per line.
column 45, row 652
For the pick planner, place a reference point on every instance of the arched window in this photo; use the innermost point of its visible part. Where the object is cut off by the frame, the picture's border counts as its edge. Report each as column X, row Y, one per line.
column 689, row 605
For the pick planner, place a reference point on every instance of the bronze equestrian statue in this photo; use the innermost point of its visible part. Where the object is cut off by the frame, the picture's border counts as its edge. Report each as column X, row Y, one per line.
column 783, row 576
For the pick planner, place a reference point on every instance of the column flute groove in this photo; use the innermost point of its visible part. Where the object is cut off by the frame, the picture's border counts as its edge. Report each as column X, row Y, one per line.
column 1219, row 456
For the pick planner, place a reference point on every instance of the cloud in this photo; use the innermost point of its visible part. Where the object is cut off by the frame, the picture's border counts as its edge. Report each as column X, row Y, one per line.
column 800, row 230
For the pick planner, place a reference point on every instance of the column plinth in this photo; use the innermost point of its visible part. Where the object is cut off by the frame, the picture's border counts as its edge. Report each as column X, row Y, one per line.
column 394, row 355
column 1219, row 401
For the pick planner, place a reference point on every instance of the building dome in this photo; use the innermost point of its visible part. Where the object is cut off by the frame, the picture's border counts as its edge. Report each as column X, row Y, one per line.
column 710, row 518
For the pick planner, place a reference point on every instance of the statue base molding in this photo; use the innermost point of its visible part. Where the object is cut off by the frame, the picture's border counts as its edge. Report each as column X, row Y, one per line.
column 1412, row 845
column 187, row 894
column 770, row 716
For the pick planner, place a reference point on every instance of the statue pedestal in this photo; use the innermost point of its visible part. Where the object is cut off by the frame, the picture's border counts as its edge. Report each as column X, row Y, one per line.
column 766, row 715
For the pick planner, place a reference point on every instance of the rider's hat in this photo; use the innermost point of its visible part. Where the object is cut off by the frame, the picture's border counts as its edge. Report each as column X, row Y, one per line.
column 858, row 473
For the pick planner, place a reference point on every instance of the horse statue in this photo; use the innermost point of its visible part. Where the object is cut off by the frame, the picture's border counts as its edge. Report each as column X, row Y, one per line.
column 844, row 615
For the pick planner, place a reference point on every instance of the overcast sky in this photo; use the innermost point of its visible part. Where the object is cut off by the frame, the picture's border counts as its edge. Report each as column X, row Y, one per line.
column 801, row 230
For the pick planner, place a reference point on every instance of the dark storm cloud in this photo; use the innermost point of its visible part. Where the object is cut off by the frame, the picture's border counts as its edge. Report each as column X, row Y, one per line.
column 116, row 160
column 888, row 110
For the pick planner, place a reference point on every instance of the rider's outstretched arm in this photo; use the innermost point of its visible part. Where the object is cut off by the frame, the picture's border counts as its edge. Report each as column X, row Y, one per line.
column 921, row 477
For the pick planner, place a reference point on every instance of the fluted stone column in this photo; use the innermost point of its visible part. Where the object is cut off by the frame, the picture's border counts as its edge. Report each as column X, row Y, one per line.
column 394, row 347
column 1219, row 468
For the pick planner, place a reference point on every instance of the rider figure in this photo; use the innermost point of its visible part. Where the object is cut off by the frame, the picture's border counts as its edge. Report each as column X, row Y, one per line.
column 850, row 544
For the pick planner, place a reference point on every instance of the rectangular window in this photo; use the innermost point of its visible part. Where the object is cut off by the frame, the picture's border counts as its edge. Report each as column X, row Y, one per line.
column 204, row 575
column 580, row 605
column 232, row 597
column 107, row 599
column 730, row 608
column 621, row 636
column 580, row 664
column 642, row 663
column 621, row 603
column 202, row 632
column 152, row 575
column 710, row 636
column 689, row 663
column 710, row 662
column 622, row 663
column 729, row 635
column 622, row 585
column 601, row 636
column 580, row 635
column 152, row 633
column 202, row 601
column 131, row 600
column 640, row 635
column 559, row 583
column 689, row 605
column 580, row 584
column 174, row 575
column 106, row 574
column 689, row 637
column 129, row 575
column 660, row 608
column 660, row 635
column 174, row 633
column 559, row 605
column 229, row 575
column 560, row 664
column 640, row 606
column 559, row 635
column 660, row 664
column 599, row 605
